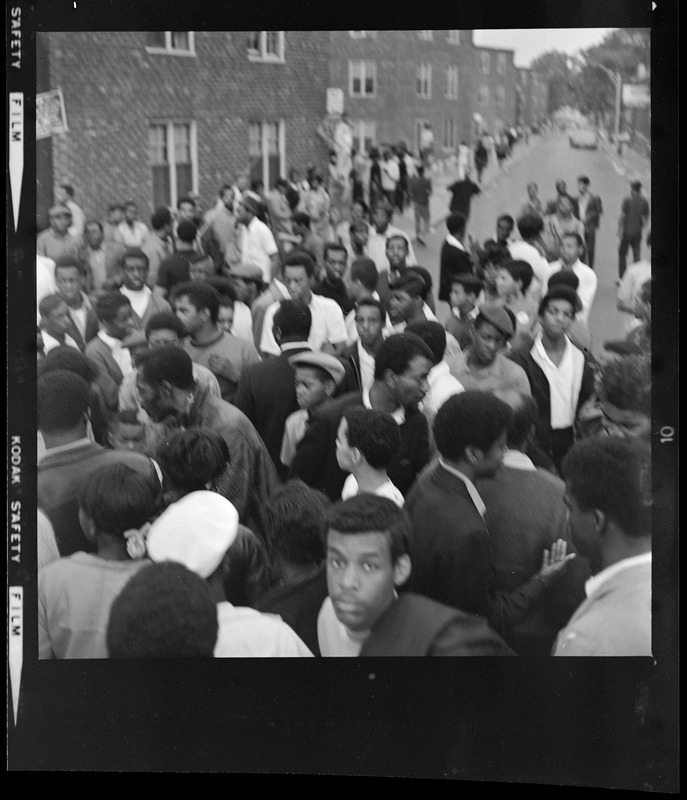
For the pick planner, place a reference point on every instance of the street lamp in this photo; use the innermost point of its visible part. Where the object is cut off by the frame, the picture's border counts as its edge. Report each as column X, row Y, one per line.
column 617, row 79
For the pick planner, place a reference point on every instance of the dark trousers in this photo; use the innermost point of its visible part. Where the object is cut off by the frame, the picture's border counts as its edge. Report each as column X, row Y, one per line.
column 590, row 245
column 628, row 240
column 562, row 439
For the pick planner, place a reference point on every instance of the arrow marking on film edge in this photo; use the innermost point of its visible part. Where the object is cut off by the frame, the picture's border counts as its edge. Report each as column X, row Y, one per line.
column 16, row 642
column 16, row 134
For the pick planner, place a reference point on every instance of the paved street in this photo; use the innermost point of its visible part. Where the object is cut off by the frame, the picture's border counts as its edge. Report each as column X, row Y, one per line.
column 545, row 160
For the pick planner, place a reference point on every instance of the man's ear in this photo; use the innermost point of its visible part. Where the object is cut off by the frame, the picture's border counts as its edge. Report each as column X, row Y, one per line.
column 402, row 570
column 166, row 388
column 390, row 378
column 600, row 520
column 329, row 387
column 472, row 454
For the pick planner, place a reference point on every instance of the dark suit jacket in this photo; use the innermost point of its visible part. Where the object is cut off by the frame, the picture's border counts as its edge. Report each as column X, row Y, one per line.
column 60, row 476
column 92, row 327
column 452, row 261
column 98, row 350
column 593, row 212
column 266, row 394
column 316, row 464
column 351, row 357
column 417, row 626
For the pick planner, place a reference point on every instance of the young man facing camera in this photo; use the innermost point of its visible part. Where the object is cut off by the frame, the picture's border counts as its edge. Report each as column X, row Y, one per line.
column 366, row 541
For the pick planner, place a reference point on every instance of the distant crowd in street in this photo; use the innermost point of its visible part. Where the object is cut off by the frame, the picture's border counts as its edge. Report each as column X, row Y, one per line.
column 264, row 431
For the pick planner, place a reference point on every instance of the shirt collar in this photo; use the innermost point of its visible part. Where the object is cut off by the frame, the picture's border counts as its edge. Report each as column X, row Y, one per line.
column 61, row 448
column 517, row 460
column 110, row 341
column 144, row 292
column 469, row 485
column 593, row 584
column 451, row 239
column 399, row 414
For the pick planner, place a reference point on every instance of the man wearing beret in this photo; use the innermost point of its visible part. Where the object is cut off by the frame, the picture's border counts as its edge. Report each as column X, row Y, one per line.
column 257, row 243
column 482, row 365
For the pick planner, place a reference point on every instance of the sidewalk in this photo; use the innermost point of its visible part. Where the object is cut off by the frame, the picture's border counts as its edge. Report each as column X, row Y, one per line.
column 631, row 165
column 446, row 175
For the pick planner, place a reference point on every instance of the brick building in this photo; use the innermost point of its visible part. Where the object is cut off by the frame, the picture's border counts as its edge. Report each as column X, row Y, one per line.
column 394, row 81
column 154, row 116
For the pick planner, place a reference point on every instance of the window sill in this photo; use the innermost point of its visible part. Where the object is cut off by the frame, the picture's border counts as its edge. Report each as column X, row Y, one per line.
column 256, row 57
column 162, row 51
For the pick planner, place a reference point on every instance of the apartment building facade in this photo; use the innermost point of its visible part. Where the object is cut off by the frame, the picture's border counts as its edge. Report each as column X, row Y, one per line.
column 154, row 116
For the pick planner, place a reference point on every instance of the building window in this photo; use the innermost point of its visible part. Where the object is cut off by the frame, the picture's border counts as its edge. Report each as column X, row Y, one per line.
column 454, row 37
column 484, row 94
column 266, row 151
column 178, row 43
column 173, row 161
column 266, row 46
column 363, row 34
column 427, row 36
column 450, row 134
column 362, row 78
column 364, row 135
column 501, row 63
column 485, row 62
column 500, row 95
column 452, row 83
column 424, row 80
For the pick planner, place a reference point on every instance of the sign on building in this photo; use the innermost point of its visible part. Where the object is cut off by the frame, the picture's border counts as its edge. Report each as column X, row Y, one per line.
column 50, row 114
column 335, row 101
column 636, row 95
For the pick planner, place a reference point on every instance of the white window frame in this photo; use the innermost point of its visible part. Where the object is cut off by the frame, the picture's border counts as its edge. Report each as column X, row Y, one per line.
column 264, row 150
column 485, row 62
column 364, row 65
column 452, row 82
column 501, row 63
column 363, row 34
column 500, row 95
column 364, row 129
column 426, row 36
column 484, row 94
column 171, row 163
column 450, row 135
column 453, row 37
column 170, row 50
column 424, row 81
column 261, row 54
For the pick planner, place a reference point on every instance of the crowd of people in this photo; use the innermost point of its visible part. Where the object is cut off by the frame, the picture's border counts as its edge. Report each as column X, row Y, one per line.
column 263, row 431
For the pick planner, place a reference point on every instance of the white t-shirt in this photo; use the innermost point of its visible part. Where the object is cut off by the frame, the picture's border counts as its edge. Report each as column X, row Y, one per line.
column 257, row 246
column 247, row 633
column 334, row 637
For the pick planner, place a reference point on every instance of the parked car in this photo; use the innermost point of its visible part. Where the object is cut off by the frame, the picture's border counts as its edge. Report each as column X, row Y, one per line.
column 584, row 138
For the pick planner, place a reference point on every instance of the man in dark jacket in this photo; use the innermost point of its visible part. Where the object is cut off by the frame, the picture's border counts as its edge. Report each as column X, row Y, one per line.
column 400, row 382
column 169, row 395
column 454, row 258
column 590, row 209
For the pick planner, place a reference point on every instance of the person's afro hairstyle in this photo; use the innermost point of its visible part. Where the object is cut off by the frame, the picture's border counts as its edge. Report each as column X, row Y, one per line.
column 163, row 611
column 293, row 522
column 375, row 433
column 192, row 458
column 626, row 383
column 63, row 398
column 471, row 418
column 71, row 359
column 169, row 363
column 397, row 351
column 433, row 334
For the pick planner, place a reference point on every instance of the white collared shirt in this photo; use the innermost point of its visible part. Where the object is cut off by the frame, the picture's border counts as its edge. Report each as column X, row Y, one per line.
column 121, row 355
column 518, row 460
column 564, row 382
column 367, row 368
column 63, row 448
column 399, row 414
column 469, row 485
column 442, row 385
column 50, row 342
column 593, row 584
column 451, row 239
column 258, row 246
column 138, row 298
column 327, row 325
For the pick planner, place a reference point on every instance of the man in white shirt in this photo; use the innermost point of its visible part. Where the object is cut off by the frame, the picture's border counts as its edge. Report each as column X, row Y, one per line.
column 130, row 231
column 257, row 243
column 391, row 174
column 530, row 227
column 570, row 260
column 380, row 232
column 65, row 195
column 608, row 495
column 116, row 319
column 328, row 329
column 135, row 287
column 55, row 322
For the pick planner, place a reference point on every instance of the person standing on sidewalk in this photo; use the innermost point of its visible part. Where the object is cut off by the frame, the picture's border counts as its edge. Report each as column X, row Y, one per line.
column 634, row 214
column 462, row 192
column 420, row 190
column 391, row 175
column 590, row 210
column 481, row 157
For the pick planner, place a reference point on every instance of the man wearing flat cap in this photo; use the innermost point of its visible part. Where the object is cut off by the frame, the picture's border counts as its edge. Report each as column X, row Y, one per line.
column 257, row 244
column 56, row 242
column 483, row 365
